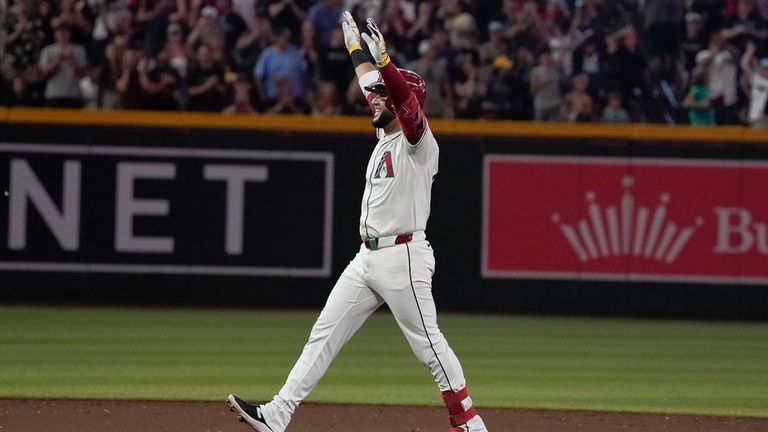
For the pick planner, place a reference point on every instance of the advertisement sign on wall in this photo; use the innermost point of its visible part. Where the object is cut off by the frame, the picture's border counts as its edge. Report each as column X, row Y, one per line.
column 171, row 210
column 610, row 218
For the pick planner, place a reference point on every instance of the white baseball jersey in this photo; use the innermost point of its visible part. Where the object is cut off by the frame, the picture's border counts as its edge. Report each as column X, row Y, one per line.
column 398, row 185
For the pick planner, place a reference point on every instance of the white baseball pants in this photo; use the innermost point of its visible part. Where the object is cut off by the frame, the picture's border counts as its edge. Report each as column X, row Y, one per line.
column 401, row 276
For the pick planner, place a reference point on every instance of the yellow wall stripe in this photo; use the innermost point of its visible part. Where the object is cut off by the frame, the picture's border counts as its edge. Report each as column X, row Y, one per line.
column 340, row 124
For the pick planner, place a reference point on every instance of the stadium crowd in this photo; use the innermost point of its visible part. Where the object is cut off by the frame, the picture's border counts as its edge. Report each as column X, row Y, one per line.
column 674, row 61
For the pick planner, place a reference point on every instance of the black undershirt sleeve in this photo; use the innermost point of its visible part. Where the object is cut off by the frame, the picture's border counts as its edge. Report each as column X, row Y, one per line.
column 358, row 57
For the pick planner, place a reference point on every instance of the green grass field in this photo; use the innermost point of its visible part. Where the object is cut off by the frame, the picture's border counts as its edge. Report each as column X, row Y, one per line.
column 515, row 362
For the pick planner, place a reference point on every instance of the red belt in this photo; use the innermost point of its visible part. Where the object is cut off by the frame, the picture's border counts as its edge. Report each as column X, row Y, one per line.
column 373, row 243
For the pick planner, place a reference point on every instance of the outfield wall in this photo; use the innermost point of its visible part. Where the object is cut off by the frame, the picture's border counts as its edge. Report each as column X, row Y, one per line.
column 138, row 207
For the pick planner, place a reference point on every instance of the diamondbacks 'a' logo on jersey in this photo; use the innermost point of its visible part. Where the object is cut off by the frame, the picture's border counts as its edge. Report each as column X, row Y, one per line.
column 385, row 165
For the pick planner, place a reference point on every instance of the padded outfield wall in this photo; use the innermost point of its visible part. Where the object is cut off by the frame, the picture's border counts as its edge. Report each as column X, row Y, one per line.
column 160, row 208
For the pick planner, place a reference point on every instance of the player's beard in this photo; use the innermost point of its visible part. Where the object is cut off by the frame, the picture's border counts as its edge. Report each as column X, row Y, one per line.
column 384, row 118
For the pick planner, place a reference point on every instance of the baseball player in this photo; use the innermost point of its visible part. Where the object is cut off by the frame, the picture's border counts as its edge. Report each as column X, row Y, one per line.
column 395, row 262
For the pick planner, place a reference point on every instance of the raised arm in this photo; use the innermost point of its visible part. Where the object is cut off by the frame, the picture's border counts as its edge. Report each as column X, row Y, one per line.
column 365, row 71
column 406, row 105
column 747, row 60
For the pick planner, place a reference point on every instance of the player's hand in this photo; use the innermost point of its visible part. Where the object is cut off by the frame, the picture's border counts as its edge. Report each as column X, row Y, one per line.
column 376, row 44
column 351, row 33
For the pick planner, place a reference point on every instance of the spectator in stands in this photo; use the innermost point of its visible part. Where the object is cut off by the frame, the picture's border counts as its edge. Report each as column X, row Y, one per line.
column 509, row 11
column 394, row 24
column 159, row 83
column 118, row 21
column 721, row 71
column 281, row 60
column 613, row 111
column 447, row 10
column 242, row 99
column 496, row 44
column 662, row 19
column 239, row 32
column 434, row 71
column 469, row 88
column 206, row 82
column 564, row 41
column 522, row 100
column 698, row 101
column 127, row 85
column 694, row 40
column 327, row 100
column 252, row 45
column 206, row 30
column 247, row 9
column 421, row 28
column 110, row 72
column 72, row 14
column 524, row 26
column 285, row 101
column 177, row 52
column 627, row 68
column 362, row 9
column 501, row 90
column 545, row 88
column 17, row 92
column 461, row 32
column 333, row 62
column 592, row 16
column 587, row 60
column 440, row 42
column 577, row 105
column 24, row 38
column 62, row 64
column 45, row 13
column 710, row 11
column 756, row 75
column 556, row 16
column 308, row 48
column 153, row 17
column 560, row 45
column 744, row 25
column 285, row 13
column 233, row 29
column 325, row 17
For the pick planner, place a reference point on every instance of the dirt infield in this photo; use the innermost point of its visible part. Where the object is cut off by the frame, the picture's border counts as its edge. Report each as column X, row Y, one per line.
column 122, row 416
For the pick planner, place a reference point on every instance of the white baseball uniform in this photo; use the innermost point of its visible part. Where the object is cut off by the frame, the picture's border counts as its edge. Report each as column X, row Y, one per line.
column 396, row 202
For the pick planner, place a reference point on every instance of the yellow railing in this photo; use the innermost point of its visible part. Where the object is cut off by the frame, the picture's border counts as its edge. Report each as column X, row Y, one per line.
column 339, row 124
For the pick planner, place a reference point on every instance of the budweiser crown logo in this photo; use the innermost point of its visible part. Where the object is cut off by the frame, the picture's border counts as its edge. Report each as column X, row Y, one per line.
column 627, row 228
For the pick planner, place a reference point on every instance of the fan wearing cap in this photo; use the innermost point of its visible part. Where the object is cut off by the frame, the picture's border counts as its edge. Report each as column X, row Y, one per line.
column 395, row 263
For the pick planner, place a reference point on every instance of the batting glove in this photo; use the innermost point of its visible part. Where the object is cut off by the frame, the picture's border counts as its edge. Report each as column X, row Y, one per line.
column 351, row 33
column 376, row 44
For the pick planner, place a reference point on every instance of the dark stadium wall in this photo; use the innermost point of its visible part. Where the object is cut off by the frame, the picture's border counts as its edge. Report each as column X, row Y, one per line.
column 189, row 215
